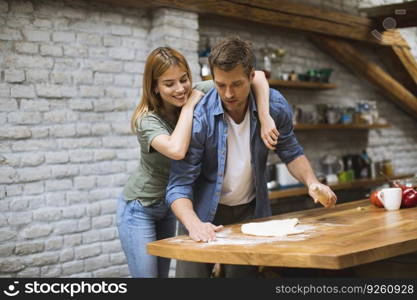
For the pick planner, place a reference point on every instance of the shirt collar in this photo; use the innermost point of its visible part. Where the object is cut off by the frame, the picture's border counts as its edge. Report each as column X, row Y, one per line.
column 218, row 108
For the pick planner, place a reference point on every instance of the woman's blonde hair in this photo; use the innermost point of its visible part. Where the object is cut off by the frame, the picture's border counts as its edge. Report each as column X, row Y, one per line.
column 158, row 61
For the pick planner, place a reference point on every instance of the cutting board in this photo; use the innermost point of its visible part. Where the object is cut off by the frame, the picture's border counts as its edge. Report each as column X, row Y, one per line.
column 350, row 234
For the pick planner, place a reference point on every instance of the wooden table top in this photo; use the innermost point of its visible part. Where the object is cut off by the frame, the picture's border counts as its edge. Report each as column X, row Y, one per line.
column 350, row 234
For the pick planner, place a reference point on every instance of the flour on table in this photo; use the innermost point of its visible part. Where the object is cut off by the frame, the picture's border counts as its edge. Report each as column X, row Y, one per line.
column 227, row 236
column 272, row 228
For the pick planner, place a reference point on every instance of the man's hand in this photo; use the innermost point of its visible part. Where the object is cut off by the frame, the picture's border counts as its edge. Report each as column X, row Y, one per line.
column 198, row 231
column 204, row 232
column 269, row 132
column 323, row 194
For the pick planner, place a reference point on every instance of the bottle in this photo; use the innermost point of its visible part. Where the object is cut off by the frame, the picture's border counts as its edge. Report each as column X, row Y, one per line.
column 388, row 168
column 205, row 69
column 205, row 72
column 267, row 65
column 367, row 165
column 372, row 170
column 203, row 59
column 374, row 112
column 347, row 174
column 293, row 76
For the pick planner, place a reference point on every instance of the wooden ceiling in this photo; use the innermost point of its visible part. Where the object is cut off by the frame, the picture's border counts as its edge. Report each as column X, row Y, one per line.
column 335, row 32
column 352, row 58
column 282, row 13
column 404, row 14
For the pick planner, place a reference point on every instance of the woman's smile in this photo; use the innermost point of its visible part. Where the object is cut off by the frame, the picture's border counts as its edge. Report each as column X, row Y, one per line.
column 174, row 86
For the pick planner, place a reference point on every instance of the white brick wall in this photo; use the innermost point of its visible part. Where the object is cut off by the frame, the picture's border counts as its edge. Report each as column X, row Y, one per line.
column 70, row 79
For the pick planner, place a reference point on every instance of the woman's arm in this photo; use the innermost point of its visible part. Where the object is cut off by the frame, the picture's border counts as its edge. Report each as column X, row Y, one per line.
column 175, row 146
column 269, row 132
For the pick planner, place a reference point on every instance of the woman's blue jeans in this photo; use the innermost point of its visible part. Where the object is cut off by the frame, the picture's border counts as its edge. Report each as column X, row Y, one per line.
column 139, row 225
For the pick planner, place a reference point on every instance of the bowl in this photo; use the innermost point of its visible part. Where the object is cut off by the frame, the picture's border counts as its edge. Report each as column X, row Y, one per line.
column 325, row 74
column 303, row 77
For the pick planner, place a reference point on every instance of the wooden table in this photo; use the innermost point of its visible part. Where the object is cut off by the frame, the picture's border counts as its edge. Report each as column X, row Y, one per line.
column 350, row 234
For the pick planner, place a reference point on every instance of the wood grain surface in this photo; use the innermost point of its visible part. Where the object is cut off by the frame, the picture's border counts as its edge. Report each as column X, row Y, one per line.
column 301, row 84
column 350, row 234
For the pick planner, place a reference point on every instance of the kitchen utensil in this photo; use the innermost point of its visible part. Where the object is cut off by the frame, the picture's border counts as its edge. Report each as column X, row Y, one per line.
column 309, row 114
column 333, row 115
column 354, row 162
column 332, row 165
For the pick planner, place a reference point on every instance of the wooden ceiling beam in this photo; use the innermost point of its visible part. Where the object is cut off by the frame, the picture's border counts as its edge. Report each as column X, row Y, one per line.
column 306, row 18
column 292, row 8
column 401, row 63
column 290, row 15
column 349, row 56
column 404, row 14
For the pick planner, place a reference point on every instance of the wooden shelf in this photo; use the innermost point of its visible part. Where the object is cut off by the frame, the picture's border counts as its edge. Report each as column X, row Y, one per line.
column 301, row 84
column 358, row 183
column 339, row 126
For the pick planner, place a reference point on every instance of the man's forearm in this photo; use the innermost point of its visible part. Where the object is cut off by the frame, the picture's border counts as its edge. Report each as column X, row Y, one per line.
column 301, row 169
column 183, row 209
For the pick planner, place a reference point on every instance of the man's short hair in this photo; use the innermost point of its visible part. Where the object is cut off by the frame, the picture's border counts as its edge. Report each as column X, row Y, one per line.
column 229, row 53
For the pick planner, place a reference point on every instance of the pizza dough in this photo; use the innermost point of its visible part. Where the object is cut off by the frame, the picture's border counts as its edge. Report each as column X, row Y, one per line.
column 271, row 228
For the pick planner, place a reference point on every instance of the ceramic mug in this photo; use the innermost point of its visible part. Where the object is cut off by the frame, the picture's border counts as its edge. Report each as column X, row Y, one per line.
column 390, row 198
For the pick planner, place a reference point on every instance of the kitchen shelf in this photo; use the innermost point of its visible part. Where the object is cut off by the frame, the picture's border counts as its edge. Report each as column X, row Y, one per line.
column 339, row 126
column 301, row 84
column 358, row 183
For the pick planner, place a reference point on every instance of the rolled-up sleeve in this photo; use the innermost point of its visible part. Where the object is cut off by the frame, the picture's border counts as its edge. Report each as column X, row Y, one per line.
column 288, row 147
column 185, row 172
column 204, row 86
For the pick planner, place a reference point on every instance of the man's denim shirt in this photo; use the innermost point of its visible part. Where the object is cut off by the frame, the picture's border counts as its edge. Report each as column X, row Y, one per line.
column 199, row 176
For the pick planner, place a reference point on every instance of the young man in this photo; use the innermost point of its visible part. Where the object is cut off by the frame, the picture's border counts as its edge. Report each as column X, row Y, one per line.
column 222, row 179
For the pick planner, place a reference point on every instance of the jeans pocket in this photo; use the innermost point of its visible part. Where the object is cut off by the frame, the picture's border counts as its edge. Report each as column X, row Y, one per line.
column 120, row 211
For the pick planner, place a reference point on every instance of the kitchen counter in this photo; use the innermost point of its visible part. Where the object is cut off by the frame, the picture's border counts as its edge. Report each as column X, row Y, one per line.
column 350, row 234
column 355, row 184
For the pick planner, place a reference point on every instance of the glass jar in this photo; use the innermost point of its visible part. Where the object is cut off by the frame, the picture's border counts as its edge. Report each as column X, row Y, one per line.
column 388, row 168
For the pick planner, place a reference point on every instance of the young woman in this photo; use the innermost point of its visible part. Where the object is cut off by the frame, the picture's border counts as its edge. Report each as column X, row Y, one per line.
column 163, row 123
